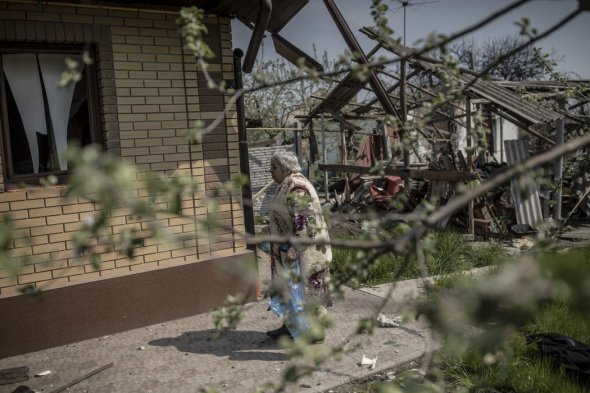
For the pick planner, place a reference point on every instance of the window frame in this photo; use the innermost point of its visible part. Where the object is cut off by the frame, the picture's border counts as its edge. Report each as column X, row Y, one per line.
column 92, row 87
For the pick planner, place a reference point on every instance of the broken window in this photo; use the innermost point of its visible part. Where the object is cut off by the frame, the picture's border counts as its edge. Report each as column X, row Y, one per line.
column 40, row 118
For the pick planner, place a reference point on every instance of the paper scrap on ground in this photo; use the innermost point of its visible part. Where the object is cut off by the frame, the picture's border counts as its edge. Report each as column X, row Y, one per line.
column 43, row 373
column 365, row 361
column 385, row 321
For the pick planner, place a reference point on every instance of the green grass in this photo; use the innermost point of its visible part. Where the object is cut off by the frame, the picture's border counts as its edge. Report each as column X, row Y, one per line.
column 525, row 371
column 449, row 253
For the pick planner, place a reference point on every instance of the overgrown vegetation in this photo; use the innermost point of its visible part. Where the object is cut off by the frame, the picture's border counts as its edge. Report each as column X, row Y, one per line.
column 449, row 253
column 524, row 370
column 519, row 368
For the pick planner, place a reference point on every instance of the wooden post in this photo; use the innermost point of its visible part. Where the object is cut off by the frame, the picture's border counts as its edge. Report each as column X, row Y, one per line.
column 404, row 119
column 501, row 139
column 471, row 223
column 325, row 159
column 344, row 161
column 558, row 171
column 385, row 154
column 468, row 140
column 482, row 158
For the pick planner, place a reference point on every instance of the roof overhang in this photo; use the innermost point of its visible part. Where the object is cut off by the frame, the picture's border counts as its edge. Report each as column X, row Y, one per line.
column 260, row 15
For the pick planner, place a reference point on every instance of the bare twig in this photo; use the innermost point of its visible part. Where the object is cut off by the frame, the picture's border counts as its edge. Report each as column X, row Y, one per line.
column 517, row 49
column 459, row 202
column 383, row 62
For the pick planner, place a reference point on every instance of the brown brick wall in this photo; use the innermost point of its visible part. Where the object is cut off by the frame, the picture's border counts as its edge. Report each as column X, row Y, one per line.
column 146, row 89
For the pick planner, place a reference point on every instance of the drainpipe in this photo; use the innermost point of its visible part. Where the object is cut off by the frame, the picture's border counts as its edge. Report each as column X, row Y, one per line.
column 264, row 10
column 243, row 148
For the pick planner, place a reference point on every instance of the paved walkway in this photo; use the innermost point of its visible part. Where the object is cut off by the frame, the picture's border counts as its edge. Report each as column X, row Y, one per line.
column 183, row 356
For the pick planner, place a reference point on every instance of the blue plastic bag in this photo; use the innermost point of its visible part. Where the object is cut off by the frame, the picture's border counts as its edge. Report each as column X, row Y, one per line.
column 291, row 308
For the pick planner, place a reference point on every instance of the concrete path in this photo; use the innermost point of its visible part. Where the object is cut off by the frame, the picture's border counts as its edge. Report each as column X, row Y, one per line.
column 183, row 355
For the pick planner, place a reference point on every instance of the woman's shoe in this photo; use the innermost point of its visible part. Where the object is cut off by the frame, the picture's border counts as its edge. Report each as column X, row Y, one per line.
column 282, row 331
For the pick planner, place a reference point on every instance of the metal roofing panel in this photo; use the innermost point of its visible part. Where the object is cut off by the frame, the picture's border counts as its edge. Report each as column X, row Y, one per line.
column 511, row 102
column 293, row 54
column 341, row 95
column 526, row 202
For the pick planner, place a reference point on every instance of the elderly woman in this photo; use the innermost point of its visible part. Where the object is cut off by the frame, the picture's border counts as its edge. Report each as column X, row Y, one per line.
column 303, row 269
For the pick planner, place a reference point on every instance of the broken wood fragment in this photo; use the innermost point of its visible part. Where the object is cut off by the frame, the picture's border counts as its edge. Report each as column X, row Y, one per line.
column 412, row 173
column 83, row 377
column 14, row 375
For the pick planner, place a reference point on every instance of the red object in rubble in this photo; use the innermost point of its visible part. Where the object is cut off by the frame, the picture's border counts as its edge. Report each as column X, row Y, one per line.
column 381, row 197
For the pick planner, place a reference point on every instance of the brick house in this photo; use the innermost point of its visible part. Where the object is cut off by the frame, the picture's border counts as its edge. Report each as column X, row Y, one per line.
column 136, row 100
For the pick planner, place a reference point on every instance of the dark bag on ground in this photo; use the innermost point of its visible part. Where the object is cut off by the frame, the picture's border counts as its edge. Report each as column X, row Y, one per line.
column 573, row 355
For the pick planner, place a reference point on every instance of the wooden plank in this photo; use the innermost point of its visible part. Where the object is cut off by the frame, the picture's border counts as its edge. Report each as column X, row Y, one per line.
column 14, row 375
column 265, row 143
column 451, row 176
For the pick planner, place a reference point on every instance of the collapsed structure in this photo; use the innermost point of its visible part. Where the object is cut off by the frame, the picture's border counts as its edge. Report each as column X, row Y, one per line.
column 514, row 119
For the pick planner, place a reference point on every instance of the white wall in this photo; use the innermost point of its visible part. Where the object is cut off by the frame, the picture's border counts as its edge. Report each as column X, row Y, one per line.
column 502, row 130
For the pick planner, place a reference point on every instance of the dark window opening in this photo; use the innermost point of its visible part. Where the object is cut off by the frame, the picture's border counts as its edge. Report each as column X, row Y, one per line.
column 39, row 117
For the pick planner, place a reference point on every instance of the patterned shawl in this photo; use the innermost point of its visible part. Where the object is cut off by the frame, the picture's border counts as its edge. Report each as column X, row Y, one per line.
column 296, row 210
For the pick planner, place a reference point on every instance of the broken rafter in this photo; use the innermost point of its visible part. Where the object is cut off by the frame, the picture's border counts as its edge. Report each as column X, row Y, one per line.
column 581, row 103
column 524, row 127
column 542, row 85
column 354, row 46
column 340, row 101
column 419, row 88
column 452, row 176
column 370, row 104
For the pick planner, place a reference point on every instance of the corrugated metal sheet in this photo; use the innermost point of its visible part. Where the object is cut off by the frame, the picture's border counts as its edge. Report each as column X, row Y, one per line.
column 503, row 98
column 526, row 202
column 510, row 102
column 341, row 95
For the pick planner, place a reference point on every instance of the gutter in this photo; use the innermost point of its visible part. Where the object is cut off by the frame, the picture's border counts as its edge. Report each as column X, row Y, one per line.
column 264, row 11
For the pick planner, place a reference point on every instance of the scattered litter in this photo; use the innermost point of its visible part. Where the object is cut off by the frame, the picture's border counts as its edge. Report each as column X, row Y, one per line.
column 277, row 369
column 417, row 371
column 141, row 348
column 391, row 376
column 14, row 375
column 86, row 376
column 385, row 321
column 43, row 373
column 523, row 243
column 365, row 361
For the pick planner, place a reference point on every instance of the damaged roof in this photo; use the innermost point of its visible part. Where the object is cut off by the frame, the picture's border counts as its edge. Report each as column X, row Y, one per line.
column 260, row 15
column 531, row 116
column 340, row 96
column 510, row 102
column 282, row 10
